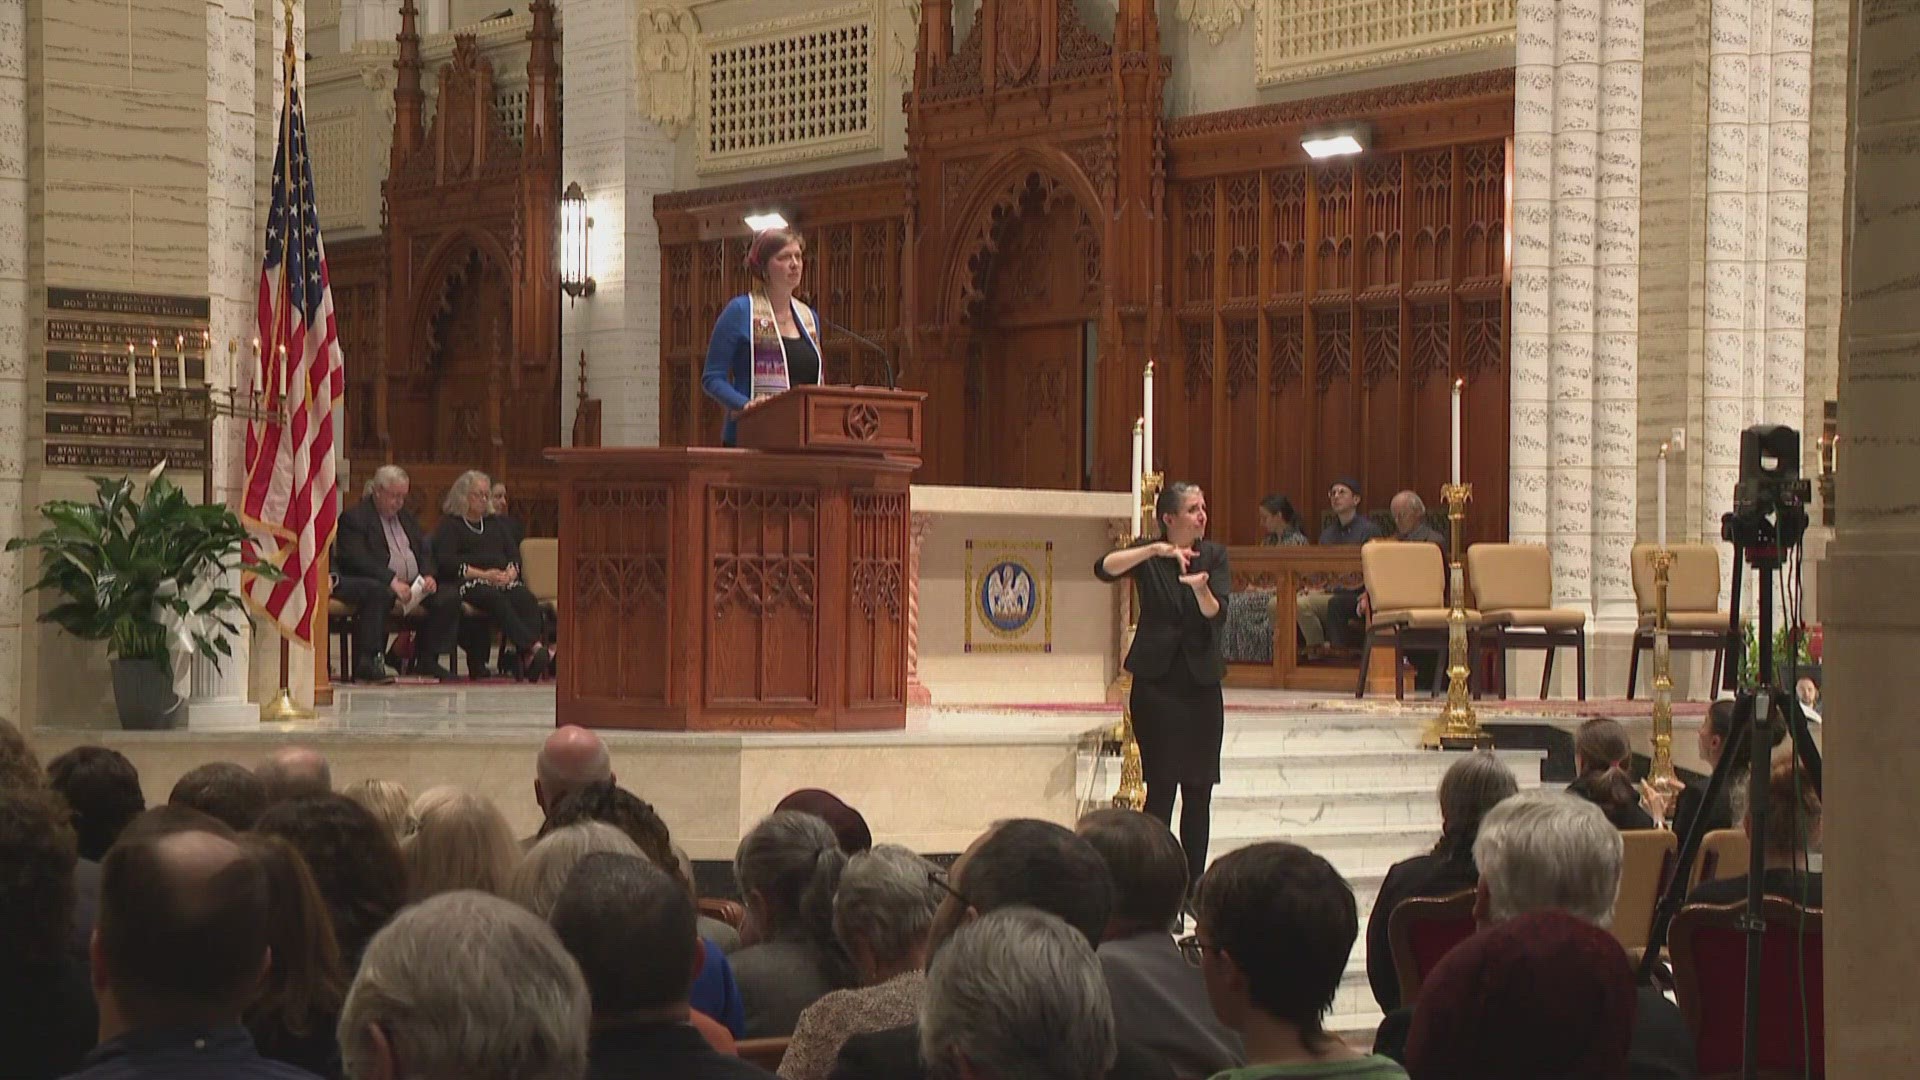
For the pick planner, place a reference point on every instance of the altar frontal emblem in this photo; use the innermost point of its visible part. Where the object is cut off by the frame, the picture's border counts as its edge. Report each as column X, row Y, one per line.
column 1009, row 596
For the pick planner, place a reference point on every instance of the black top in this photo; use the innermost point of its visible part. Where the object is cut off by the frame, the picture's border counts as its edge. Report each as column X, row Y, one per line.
column 631, row 1051
column 47, row 1019
column 514, row 526
column 1689, row 804
column 803, row 363
column 457, row 544
column 360, row 547
column 1421, row 876
column 1800, row 886
column 894, row 1054
column 186, row 1054
column 1170, row 622
column 1358, row 531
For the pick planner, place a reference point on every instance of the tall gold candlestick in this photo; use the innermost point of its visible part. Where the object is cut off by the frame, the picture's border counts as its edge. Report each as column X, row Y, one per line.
column 1459, row 728
column 1661, row 776
column 1132, row 794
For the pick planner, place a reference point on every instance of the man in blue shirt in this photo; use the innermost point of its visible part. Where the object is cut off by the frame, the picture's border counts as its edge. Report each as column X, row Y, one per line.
column 178, row 952
column 1349, row 526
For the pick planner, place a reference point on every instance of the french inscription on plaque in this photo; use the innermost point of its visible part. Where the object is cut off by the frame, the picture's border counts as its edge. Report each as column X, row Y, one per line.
column 107, row 407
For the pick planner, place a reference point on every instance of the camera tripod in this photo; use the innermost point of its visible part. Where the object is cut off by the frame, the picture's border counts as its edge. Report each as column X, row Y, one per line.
column 1765, row 527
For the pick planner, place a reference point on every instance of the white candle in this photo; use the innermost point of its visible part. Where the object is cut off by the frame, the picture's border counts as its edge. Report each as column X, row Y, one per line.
column 1661, row 487
column 283, row 371
column 180, row 358
column 156, row 365
column 133, row 388
column 1147, row 418
column 1133, row 478
column 1458, row 384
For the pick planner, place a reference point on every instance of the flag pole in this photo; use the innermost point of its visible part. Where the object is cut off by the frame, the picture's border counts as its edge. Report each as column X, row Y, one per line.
column 283, row 707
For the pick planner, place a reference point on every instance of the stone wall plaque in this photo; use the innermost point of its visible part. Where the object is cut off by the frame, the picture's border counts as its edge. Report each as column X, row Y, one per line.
column 100, row 416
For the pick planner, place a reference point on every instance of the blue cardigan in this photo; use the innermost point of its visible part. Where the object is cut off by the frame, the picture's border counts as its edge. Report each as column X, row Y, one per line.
column 728, row 375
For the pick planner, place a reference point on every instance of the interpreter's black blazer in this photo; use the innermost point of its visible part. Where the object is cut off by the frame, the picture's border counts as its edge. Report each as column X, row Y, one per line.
column 360, row 548
column 1170, row 625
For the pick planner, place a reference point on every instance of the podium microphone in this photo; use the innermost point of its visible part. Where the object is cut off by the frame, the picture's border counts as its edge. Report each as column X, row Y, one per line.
column 868, row 342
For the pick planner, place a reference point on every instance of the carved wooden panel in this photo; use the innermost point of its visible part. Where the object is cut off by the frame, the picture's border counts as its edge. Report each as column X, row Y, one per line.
column 1196, row 224
column 1243, row 237
column 620, row 548
column 877, row 591
column 1288, row 192
column 1333, row 253
column 762, row 585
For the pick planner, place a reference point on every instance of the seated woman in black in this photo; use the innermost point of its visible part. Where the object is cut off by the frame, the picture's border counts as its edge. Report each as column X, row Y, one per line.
column 1601, row 756
column 1472, row 786
column 482, row 554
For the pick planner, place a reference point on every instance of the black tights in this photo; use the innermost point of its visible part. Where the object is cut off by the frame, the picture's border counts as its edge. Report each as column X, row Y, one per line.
column 1196, row 821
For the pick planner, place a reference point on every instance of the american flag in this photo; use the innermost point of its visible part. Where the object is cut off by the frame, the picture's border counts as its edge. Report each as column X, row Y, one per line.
column 291, row 497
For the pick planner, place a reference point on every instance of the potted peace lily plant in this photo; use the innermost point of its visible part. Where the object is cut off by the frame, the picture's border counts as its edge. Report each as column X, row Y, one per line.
column 148, row 576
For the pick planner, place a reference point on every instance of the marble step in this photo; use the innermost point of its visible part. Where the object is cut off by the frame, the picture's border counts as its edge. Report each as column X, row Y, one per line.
column 1354, row 851
column 1261, row 733
column 1287, row 811
column 1246, row 771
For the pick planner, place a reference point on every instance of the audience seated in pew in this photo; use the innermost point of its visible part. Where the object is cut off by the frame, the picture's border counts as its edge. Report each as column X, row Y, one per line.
column 1602, row 758
column 103, row 788
column 223, row 789
column 1042, row 952
column 1793, row 830
column 789, row 868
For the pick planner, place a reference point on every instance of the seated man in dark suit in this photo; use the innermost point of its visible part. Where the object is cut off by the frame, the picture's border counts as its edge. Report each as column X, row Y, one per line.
column 379, row 552
column 1019, row 862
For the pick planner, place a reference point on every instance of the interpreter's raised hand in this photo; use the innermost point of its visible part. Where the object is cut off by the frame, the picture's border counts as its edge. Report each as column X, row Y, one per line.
column 1197, row 581
column 1165, row 550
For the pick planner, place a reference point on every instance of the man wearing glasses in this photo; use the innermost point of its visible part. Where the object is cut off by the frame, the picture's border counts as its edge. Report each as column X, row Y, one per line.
column 1349, row 526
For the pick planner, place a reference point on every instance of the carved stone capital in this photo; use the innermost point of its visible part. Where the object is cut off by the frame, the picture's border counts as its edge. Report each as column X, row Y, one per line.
column 1213, row 17
column 665, row 39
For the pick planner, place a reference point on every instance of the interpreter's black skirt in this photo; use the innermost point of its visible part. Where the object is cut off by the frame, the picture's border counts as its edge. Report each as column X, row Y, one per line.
column 1179, row 725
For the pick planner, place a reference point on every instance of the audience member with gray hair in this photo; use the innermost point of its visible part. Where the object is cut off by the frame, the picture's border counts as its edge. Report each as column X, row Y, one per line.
column 880, row 914
column 1473, row 785
column 537, row 881
column 466, row 986
column 293, row 771
column 788, row 868
column 477, row 556
column 630, row 926
column 1017, row 993
column 1159, row 999
column 572, row 758
column 1021, row 862
column 1544, row 851
column 378, row 554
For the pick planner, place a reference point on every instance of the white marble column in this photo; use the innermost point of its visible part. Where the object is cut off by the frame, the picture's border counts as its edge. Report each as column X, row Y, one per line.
column 1759, row 93
column 621, row 159
column 219, row 697
column 13, row 349
column 1873, row 608
column 1575, row 320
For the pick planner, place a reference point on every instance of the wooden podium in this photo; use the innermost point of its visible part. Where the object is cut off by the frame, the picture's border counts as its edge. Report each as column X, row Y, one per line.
column 759, row 588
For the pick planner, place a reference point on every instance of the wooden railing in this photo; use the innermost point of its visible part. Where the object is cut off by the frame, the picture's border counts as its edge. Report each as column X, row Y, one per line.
column 1262, row 647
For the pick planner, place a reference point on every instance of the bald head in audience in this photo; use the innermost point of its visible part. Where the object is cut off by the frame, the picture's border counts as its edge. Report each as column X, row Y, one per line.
column 572, row 758
column 293, row 771
column 182, row 936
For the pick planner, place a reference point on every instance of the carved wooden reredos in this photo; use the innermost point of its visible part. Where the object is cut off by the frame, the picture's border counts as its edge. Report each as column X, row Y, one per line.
column 453, row 314
column 1307, row 319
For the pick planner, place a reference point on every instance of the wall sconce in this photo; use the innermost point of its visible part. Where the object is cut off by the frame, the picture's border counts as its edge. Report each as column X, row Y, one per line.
column 1336, row 143
column 576, row 280
column 759, row 223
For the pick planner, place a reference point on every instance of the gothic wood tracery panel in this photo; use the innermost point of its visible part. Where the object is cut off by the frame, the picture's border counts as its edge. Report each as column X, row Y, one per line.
column 876, row 621
column 622, row 544
column 764, row 620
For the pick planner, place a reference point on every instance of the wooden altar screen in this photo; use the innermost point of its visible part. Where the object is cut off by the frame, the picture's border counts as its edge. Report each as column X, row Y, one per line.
column 737, row 589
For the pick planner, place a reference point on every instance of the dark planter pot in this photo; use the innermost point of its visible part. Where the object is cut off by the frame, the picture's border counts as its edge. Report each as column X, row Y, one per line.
column 143, row 692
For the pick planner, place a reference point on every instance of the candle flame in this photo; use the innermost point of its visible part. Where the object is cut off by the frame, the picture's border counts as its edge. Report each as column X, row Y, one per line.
column 1459, row 385
column 1663, row 449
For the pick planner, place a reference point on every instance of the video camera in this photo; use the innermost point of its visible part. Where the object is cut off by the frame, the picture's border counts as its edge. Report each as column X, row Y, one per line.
column 1770, row 498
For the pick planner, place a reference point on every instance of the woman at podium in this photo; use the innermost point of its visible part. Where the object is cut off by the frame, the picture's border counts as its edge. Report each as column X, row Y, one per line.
column 1176, row 703
column 766, row 340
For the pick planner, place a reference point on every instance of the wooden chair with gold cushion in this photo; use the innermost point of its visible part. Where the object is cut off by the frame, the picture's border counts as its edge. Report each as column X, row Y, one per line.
column 1695, row 620
column 1645, row 868
column 540, row 569
column 1709, row 947
column 1421, row 930
column 765, row 1053
column 1513, row 589
column 1723, row 854
column 1407, row 591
